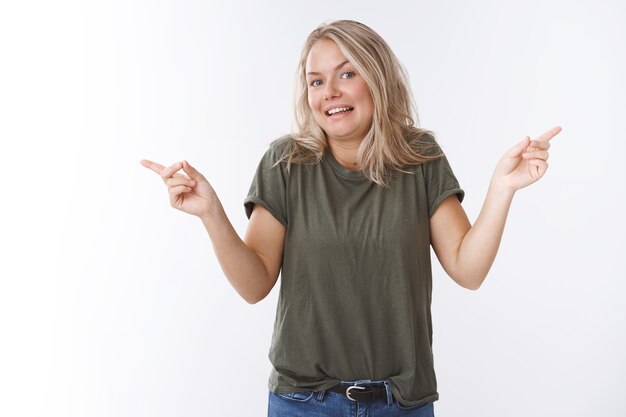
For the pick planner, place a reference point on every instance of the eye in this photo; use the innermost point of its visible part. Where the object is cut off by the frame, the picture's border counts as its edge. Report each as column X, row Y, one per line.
column 350, row 74
column 313, row 83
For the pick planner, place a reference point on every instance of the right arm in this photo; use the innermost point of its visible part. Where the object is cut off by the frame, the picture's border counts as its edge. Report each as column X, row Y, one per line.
column 251, row 265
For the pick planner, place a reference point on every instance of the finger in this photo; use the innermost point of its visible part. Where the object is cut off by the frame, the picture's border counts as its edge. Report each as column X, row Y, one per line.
column 169, row 171
column 549, row 134
column 152, row 165
column 517, row 150
column 182, row 180
column 542, row 166
column 158, row 168
column 176, row 191
column 192, row 172
column 540, row 144
column 536, row 155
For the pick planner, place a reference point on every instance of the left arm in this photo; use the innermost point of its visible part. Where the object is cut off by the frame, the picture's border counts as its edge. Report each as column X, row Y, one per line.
column 467, row 252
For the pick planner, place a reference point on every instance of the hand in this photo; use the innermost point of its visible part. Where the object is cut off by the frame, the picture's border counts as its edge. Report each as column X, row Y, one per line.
column 525, row 163
column 192, row 194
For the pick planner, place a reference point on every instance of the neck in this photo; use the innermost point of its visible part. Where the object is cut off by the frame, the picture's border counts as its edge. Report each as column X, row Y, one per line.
column 345, row 153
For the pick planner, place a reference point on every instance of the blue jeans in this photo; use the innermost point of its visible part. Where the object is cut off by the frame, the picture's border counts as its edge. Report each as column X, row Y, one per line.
column 332, row 404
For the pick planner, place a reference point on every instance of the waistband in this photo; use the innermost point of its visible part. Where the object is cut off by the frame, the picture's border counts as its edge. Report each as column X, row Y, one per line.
column 364, row 390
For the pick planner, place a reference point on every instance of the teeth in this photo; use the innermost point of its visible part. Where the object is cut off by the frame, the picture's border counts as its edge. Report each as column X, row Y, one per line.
column 337, row 110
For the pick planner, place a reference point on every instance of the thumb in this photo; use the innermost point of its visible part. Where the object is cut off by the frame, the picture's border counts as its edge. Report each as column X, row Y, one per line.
column 517, row 150
column 192, row 172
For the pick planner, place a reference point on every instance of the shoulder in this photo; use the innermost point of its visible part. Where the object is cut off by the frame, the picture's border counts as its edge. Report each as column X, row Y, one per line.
column 424, row 143
column 276, row 150
column 274, row 156
column 278, row 147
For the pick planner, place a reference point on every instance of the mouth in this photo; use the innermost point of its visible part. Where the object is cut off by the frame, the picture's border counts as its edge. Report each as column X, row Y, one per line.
column 337, row 111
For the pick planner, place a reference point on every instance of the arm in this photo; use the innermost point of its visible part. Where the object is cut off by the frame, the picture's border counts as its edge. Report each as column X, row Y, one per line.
column 251, row 265
column 467, row 252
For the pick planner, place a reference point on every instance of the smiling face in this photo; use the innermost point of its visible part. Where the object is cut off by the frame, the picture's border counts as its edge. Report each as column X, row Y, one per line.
column 334, row 85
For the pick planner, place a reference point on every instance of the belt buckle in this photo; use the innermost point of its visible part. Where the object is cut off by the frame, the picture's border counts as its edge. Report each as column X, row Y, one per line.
column 352, row 387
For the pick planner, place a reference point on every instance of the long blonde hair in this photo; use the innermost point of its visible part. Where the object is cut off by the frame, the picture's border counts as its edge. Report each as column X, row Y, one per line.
column 393, row 141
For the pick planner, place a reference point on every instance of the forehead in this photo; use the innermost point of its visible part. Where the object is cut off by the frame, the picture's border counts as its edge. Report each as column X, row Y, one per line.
column 324, row 56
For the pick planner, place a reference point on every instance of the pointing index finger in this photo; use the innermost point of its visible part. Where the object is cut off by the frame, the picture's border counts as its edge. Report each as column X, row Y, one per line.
column 170, row 171
column 549, row 134
column 152, row 165
column 164, row 173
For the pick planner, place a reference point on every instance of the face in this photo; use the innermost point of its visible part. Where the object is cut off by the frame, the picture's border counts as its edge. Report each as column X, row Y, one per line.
column 334, row 83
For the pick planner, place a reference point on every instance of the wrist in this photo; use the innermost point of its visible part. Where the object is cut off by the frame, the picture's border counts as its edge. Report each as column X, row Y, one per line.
column 214, row 212
column 501, row 188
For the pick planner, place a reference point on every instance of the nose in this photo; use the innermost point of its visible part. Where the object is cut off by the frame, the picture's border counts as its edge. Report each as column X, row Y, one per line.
column 331, row 90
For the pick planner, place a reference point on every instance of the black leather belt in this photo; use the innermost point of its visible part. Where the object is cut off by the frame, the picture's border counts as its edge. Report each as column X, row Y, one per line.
column 358, row 393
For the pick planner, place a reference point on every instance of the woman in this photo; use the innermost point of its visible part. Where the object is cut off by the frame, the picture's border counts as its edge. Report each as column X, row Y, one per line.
column 346, row 209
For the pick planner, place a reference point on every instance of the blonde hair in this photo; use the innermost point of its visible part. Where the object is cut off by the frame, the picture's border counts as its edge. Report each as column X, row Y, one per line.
column 393, row 141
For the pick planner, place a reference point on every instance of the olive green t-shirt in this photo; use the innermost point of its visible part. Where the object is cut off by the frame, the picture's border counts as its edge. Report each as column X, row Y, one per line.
column 356, row 283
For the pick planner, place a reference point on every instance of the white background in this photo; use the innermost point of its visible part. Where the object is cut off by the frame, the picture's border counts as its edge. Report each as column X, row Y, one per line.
column 113, row 304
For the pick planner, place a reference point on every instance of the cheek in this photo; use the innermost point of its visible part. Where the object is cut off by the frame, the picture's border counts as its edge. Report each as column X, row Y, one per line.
column 367, row 104
column 365, row 97
column 314, row 104
column 371, row 106
column 313, row 99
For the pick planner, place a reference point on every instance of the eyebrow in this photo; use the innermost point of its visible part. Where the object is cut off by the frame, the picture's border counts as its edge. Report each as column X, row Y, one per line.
column 336, row 68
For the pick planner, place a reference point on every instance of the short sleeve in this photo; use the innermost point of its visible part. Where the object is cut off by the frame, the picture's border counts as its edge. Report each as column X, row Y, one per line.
column 440, row 182
column 268, row 188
